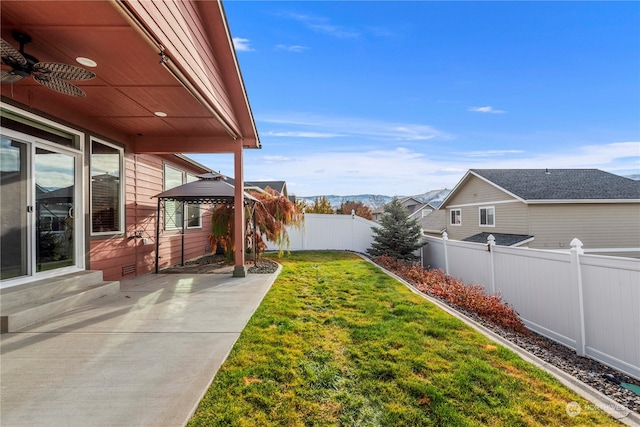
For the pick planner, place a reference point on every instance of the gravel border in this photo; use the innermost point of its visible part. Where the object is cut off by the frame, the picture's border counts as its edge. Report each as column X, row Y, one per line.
column 589, row 378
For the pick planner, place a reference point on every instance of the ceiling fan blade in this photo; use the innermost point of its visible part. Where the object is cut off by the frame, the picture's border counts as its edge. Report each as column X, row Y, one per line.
column 59, row 85
column 10, row 77
column 63, row 71
column 11, row 55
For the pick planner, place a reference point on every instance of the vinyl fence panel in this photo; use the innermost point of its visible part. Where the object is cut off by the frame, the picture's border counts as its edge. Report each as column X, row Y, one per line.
column 612, row 299
column 538, row 285
column 328, row 231
column 590, row 303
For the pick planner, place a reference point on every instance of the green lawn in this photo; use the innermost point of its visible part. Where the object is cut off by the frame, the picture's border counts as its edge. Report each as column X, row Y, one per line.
column 338, row 342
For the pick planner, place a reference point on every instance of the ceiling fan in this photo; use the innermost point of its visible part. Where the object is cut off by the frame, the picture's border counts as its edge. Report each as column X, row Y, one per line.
column 53, row 75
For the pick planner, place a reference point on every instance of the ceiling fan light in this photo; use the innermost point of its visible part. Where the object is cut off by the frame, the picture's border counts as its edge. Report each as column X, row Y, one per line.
column 86, row 62
column 160, row 114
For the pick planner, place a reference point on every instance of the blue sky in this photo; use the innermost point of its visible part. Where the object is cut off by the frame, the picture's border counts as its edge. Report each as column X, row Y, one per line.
column 398, row 98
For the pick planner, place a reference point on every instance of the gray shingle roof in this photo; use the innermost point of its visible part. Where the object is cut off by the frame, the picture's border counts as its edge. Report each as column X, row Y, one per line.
column 562, row 184
column 502, row 239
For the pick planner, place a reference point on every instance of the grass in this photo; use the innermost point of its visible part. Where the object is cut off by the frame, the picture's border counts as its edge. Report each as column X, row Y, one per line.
column 338, row 342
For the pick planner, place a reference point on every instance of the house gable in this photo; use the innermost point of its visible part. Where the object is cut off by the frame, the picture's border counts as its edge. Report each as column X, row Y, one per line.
column 474, row 190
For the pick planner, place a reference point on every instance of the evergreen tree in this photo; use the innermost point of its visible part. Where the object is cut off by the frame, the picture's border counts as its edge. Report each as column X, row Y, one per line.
column 398, row 237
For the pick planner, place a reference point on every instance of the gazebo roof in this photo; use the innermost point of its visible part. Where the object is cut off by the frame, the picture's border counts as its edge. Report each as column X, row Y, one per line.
column 204, row 191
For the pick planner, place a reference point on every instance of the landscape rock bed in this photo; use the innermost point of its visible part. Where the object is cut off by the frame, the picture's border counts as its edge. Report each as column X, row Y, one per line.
column 584, row 369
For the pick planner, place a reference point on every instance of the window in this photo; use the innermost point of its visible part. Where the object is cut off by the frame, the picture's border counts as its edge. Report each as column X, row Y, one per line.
column 174, row 212
column 456, row 217
column 107, row 202
column 193, row 209
column 487, row 216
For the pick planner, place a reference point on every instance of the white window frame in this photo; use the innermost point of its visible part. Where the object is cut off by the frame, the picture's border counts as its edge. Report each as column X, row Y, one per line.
column 121, row 202
column 487, row 208
column 175, row 225
column 192, row 178
column 186, row 178
column 451, row 213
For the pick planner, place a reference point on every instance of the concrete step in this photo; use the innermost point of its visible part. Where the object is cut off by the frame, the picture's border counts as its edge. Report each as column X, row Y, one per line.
column 16, row 296
column 35, row 303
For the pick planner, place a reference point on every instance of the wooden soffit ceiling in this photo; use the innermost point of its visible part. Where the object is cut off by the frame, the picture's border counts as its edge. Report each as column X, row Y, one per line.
column 131, row 83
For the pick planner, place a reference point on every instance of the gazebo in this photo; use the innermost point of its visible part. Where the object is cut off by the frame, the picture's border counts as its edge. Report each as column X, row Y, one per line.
column 209, row 189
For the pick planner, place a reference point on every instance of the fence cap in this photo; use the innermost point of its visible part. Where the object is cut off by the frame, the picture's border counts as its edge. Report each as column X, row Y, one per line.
column 576, row 245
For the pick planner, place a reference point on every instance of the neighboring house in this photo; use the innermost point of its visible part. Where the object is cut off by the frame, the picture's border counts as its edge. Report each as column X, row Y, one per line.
column 546, row 209
column 433, row 224
column 79, row 172
column 413, row 206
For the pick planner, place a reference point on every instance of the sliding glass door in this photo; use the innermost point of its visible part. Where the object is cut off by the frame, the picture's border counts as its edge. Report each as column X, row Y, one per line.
column 39, row 226
column 14, row 202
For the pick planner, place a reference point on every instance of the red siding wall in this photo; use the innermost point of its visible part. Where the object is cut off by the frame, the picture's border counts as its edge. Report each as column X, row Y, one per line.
column 125, row 256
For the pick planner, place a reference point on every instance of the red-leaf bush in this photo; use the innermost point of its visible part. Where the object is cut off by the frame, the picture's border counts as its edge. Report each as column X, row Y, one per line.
column 465, row 296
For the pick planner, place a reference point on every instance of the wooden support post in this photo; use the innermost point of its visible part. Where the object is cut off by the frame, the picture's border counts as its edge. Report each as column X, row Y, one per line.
column 239, row 269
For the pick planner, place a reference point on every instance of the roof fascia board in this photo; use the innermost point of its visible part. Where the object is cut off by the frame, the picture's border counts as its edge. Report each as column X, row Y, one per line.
column 515, row 245
column 255, row 140
column 426, row 230
column 579, row 201
column 499, row 202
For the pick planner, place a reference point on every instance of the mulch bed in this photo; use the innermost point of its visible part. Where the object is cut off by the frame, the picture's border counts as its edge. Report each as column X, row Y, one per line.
column 218, row 264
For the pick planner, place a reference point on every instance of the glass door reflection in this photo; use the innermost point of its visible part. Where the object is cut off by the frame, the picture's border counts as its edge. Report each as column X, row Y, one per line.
column 55, row 203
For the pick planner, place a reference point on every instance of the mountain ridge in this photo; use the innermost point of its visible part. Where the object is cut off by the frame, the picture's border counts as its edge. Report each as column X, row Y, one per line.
column 434, row 197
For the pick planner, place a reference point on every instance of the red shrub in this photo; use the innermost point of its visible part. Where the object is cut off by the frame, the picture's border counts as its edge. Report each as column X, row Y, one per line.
column 468, row 297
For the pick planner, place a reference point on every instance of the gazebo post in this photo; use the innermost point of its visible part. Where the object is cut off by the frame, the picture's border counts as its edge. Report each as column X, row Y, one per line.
column 158, row 235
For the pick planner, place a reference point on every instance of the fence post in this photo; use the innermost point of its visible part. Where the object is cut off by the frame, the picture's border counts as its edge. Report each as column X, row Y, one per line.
column 304, row 229
column 353, row 217
column 491, row 242
column 445, row 237
column 576, row 275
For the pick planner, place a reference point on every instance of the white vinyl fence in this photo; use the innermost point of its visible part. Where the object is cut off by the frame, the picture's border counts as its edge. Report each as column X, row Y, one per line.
column 327, row 231
column 590, row 303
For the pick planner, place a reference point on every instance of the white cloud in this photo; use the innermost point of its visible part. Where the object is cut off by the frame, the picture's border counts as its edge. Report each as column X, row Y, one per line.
column 292, row 48
column 241, row 45
column 277, row 159
column 303, row 134
column 320, row 169
column 403, row 171
column 486, row 109
column 492, row 153
column 355, row 127
column 322, row 25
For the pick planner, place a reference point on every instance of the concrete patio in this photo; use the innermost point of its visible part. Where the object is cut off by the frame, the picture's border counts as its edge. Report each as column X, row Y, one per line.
column 143, row 357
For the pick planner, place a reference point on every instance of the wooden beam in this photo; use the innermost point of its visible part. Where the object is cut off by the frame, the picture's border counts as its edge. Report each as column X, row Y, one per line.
column 186, row 144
